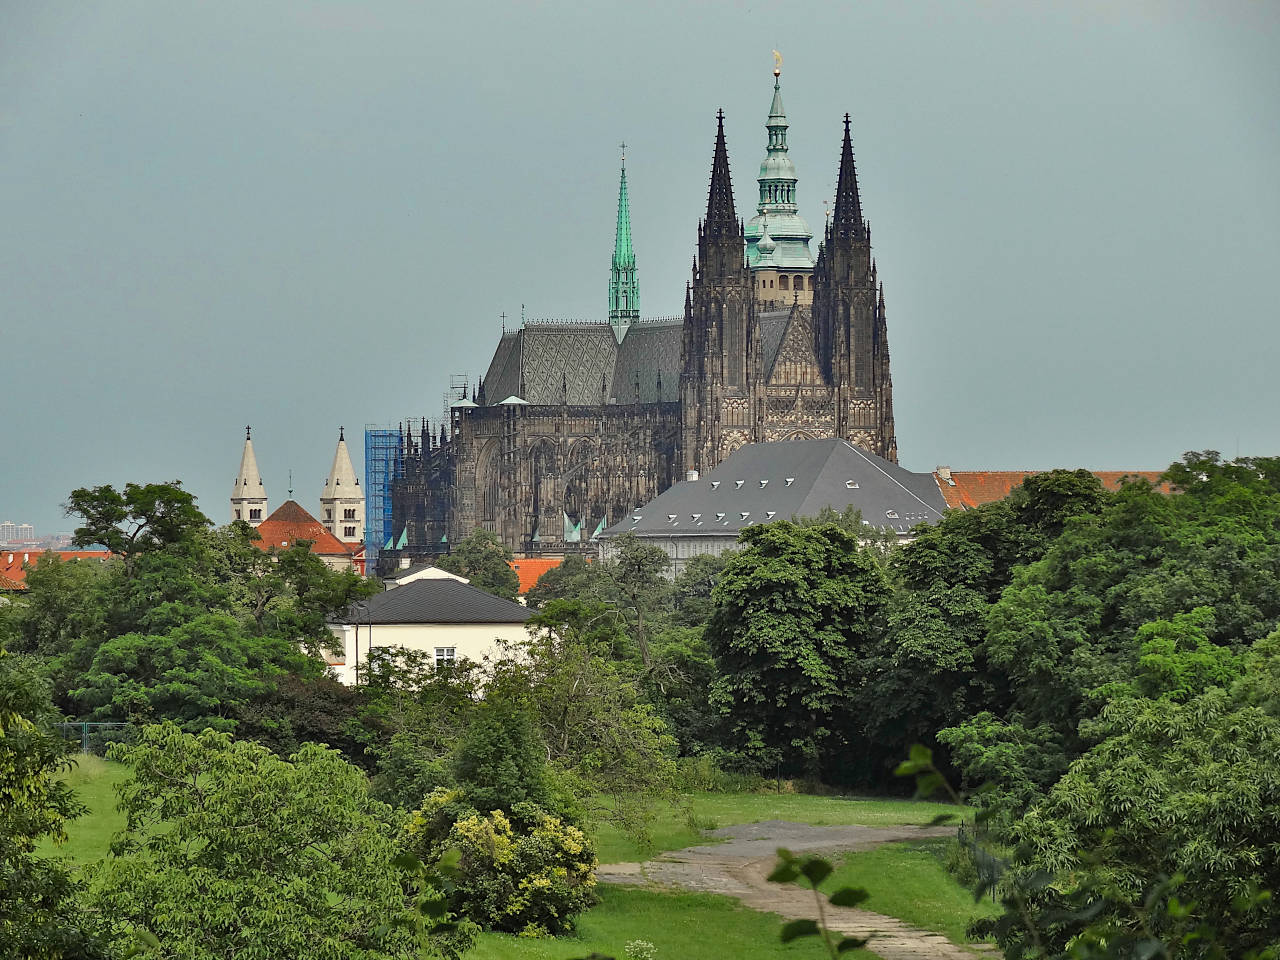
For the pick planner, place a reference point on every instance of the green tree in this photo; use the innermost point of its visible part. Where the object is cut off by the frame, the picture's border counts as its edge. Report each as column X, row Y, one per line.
column 201, row 674
column 573, row 578
column 639, row 570
column 1162, row 837
column 230, row 851
column 501, row 760
column 602, row 736
column 138, row 519
column 797, row 611
column 40, row 918
column 691, row 590
column 484, row 560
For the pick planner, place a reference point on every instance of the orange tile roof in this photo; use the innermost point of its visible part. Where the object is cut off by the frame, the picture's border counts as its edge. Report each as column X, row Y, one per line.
column 530, row 569
column 8, row 585
column 12, row 561
column 972, row 488
column 291, row 523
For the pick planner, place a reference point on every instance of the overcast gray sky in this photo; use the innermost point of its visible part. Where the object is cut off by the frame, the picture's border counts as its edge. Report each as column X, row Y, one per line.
column 305, row 215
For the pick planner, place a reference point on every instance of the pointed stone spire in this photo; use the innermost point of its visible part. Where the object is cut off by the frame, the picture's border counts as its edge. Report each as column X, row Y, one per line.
column 846, row 219
column 722, row 220
column 249, row 496
column 342, row 502
column 624, row 288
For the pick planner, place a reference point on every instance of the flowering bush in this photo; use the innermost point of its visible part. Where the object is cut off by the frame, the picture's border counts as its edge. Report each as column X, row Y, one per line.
column 528, row 873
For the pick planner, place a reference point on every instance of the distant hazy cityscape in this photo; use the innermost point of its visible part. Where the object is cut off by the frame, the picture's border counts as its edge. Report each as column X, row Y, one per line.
column 24, row 535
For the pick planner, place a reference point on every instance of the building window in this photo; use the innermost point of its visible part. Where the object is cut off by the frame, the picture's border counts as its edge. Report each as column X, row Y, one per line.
column 348, row 531
column 799, row 283
column 328, row 514
column 445, row 655
column 255, row 513
column 782, row 283
column 349, row 514
column 237, row 516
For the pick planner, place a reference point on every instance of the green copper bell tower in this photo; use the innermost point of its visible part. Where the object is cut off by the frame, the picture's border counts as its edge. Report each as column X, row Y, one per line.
column 624, row 289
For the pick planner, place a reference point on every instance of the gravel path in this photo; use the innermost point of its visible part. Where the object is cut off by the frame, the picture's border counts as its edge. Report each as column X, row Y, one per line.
column 738, row 868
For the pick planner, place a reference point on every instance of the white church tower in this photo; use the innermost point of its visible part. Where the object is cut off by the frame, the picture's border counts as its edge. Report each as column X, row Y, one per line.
column 342, row 503
column 249, row 498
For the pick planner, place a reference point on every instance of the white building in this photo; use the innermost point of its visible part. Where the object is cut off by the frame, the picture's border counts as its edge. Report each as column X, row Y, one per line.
column 443, row 617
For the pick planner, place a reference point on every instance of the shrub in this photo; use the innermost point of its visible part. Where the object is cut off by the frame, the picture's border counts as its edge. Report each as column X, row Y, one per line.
column 530, row 873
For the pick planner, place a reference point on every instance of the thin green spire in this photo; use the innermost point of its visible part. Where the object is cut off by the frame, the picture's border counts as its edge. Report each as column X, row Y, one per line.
column 624, row 288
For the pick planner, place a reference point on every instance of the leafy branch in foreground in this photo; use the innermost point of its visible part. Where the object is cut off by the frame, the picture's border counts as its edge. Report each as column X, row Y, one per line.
column 813, row 870
column 1088, row 894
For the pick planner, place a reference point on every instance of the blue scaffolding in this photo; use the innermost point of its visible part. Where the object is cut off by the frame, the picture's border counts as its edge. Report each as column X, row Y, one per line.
column 383, row 463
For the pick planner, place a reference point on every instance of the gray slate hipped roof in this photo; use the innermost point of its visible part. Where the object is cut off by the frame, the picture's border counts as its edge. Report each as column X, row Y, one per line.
column 793, row 478
column 436, row 601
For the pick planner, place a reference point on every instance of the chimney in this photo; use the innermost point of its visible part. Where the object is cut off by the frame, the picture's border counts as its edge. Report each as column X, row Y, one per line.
column 691, row 475
column 404, row 563
column 944, row 474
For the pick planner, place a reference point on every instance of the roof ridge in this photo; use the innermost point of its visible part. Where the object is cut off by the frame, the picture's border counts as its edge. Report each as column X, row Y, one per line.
column 894, row 479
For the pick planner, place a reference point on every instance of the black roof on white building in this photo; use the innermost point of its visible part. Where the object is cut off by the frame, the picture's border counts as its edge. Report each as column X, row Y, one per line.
column 760, row 482
column 436, row 601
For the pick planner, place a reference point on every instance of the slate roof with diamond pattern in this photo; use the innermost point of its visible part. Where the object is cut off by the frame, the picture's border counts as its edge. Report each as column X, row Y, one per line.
column 544, row 363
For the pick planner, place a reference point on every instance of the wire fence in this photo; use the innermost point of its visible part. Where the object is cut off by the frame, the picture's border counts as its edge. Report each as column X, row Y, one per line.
column 96, row 737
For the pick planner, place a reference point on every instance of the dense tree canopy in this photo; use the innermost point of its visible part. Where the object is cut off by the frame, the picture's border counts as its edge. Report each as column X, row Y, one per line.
column 231, row 851
column 484, row 560
column 39, row 918
column 797, row 611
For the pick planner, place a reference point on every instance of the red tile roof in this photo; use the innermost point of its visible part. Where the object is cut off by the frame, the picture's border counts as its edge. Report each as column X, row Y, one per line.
column 7, row 585
column 12, row 562
column 290, row 523
column 531, row 568
column 972, row 488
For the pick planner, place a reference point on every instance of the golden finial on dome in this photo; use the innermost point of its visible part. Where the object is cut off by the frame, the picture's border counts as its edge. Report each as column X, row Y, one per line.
column 777, row 64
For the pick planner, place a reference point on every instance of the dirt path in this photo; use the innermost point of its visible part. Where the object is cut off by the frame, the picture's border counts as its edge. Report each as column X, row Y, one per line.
column 738, row 868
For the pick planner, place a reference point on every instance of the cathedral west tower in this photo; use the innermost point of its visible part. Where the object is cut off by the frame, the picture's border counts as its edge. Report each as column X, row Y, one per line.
column 720, row 378
column 849, row 320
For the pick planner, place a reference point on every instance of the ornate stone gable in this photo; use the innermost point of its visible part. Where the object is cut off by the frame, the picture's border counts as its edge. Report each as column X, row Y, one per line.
column 797, row 358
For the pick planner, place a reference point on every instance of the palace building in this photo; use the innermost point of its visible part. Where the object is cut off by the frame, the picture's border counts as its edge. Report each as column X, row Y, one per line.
column 575, row 424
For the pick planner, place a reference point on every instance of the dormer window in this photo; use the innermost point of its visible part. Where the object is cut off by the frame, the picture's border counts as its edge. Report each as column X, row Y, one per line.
column 790, row 481
column 737, row 484
column 744, row 514
column 763, row 484
column 719, row 516
column 714, row 484
column 770, row 514
column 891, row 514
column 671, row 517
column 851, row 484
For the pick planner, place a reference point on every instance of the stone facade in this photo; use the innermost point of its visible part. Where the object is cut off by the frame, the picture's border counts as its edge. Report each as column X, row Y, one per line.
column 574, row 425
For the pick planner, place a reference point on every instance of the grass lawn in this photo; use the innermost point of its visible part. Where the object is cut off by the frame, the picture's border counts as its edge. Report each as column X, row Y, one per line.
column 686, row 926
column 671, row 831
column 88, row 837
column 909, row 881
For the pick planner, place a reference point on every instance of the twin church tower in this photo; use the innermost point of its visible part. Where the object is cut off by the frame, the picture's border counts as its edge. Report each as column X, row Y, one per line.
column 342, row 502
column 574, row 425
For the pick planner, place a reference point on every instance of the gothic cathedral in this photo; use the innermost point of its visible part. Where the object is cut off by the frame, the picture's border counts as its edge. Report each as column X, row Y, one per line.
column 574, row 425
